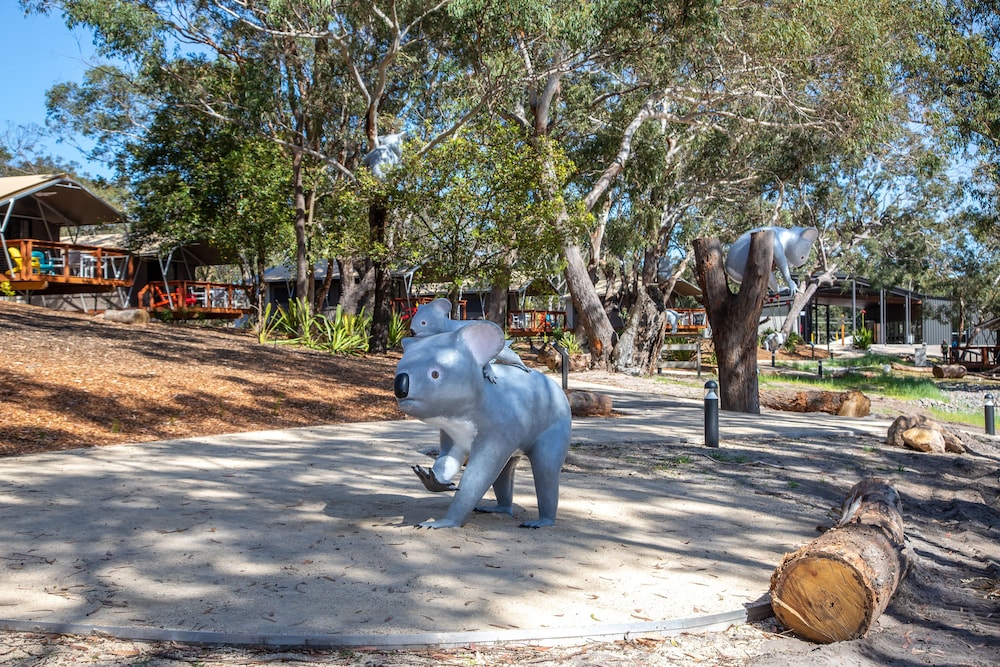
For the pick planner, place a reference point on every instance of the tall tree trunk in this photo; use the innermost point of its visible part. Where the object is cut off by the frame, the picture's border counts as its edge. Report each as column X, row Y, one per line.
column 378, row 340
column 734, row 317
column 352, row 289
column 302, row 272
column 600, row 334
column 496, row 304
column 639, row 344
column 324, row 290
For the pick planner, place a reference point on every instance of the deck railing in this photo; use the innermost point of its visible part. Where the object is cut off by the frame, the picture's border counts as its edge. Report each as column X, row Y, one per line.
column 535, row 322
column 196, row 299
column 55, row 263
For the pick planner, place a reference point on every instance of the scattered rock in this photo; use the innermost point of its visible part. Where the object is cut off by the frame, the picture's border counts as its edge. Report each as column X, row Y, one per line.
column 923, row 435
column 588, row 403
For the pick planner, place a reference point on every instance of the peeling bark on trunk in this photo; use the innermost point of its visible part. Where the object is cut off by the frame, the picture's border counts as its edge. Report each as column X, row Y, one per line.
column 734, row 317
column 639, row 344
column 352, row 293
column 600, row 334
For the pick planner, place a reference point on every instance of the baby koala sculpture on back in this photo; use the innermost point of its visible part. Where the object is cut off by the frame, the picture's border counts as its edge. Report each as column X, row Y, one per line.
column 439, row 381
column 434, row 318
column 791, row 249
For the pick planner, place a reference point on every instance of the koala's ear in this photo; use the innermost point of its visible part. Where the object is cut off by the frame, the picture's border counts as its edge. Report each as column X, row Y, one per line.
column 810, row 234
column 484, row 340
column 442, row 306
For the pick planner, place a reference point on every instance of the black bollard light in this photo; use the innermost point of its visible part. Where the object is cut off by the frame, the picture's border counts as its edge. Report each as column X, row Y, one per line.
column 991, row 425
column 711, row 414
column 772, row 358
column 820, row 366
column 564, row 353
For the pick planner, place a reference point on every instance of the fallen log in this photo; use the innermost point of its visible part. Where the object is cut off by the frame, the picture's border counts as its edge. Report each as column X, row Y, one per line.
column 851, row 403
column 836, row 587
column 951, row 371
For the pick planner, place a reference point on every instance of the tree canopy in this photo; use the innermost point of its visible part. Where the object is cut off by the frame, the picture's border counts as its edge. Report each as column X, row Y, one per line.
column 599, row 137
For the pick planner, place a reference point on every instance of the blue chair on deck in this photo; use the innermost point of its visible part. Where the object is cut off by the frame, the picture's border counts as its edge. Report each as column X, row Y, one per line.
column 42, row 263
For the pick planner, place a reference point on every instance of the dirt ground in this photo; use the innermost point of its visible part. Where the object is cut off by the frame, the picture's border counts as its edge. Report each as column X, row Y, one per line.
column 72, row 381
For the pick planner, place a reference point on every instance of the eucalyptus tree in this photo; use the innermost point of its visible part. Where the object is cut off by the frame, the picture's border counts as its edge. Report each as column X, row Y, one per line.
column 196, row 179
column 475, row 214
column 595, row 75
column 321, row 79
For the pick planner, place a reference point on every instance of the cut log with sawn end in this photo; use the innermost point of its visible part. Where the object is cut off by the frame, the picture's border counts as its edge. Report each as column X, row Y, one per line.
column 836, row 587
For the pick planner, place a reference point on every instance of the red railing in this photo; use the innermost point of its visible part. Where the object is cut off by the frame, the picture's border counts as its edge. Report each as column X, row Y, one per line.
column 535, row 322
column 193, row 299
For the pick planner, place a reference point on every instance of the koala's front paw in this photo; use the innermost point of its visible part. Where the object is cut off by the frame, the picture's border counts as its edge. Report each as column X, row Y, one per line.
column 431, row 482
column 489, row 374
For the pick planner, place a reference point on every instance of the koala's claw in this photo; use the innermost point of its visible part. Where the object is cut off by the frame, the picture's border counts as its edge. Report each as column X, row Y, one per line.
column 431, row 482
column 489, row 374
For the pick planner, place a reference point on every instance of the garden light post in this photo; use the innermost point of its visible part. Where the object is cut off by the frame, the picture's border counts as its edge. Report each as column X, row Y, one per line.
column 564, row 353
column 991, row 427
column 711, row 414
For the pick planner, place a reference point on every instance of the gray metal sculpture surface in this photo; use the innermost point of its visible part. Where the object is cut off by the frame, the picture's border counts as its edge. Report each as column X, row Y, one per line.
column 435, row 317
column 388, row 153
column 791, row 249
column 487, row 426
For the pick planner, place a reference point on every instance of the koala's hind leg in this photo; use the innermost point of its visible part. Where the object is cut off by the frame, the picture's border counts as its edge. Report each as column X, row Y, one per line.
column 547, row 456
column 503, row 489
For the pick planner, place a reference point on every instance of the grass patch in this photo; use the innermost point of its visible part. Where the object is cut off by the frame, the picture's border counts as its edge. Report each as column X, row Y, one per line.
column 968, row 418
column 906, row 388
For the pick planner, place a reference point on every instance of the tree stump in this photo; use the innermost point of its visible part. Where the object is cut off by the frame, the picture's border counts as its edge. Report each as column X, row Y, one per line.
column 949, row 371
column 836, row 587
column 588, row 403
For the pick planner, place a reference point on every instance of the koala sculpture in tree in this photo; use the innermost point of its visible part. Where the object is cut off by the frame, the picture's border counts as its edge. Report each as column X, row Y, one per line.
column 388, row 153
column 435, row 317
column 487, row 426
column 791, row 249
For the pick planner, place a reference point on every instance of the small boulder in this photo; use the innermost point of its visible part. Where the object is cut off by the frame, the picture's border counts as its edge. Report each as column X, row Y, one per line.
column 854, row 404
column 923, row 439
column 919, row 433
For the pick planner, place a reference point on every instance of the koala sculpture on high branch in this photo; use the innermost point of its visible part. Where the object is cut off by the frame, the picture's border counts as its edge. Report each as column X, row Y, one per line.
column 486, row 425
column 791, row 250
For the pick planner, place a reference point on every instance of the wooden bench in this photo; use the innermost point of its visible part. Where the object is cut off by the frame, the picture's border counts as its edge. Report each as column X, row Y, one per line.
column 673, row 344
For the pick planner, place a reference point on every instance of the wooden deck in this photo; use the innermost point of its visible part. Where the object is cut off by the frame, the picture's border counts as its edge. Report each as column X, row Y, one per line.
column 195, row 300
column 64, row 268
column 975, row 357
column 528, row 323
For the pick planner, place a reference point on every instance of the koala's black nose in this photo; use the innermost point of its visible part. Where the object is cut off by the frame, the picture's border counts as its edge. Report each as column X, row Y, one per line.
column 401, row 386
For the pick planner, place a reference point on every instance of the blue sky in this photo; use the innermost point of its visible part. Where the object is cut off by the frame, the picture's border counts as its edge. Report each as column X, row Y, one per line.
column 40, row 51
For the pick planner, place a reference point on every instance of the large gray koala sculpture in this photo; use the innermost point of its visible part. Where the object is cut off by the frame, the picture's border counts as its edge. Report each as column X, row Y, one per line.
column 791, row 249
column 388, row 153
column 487, row 426
column 435, row 317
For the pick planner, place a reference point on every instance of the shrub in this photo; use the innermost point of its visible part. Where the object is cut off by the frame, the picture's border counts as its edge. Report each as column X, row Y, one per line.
column 399, row 329
column 863, row 338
